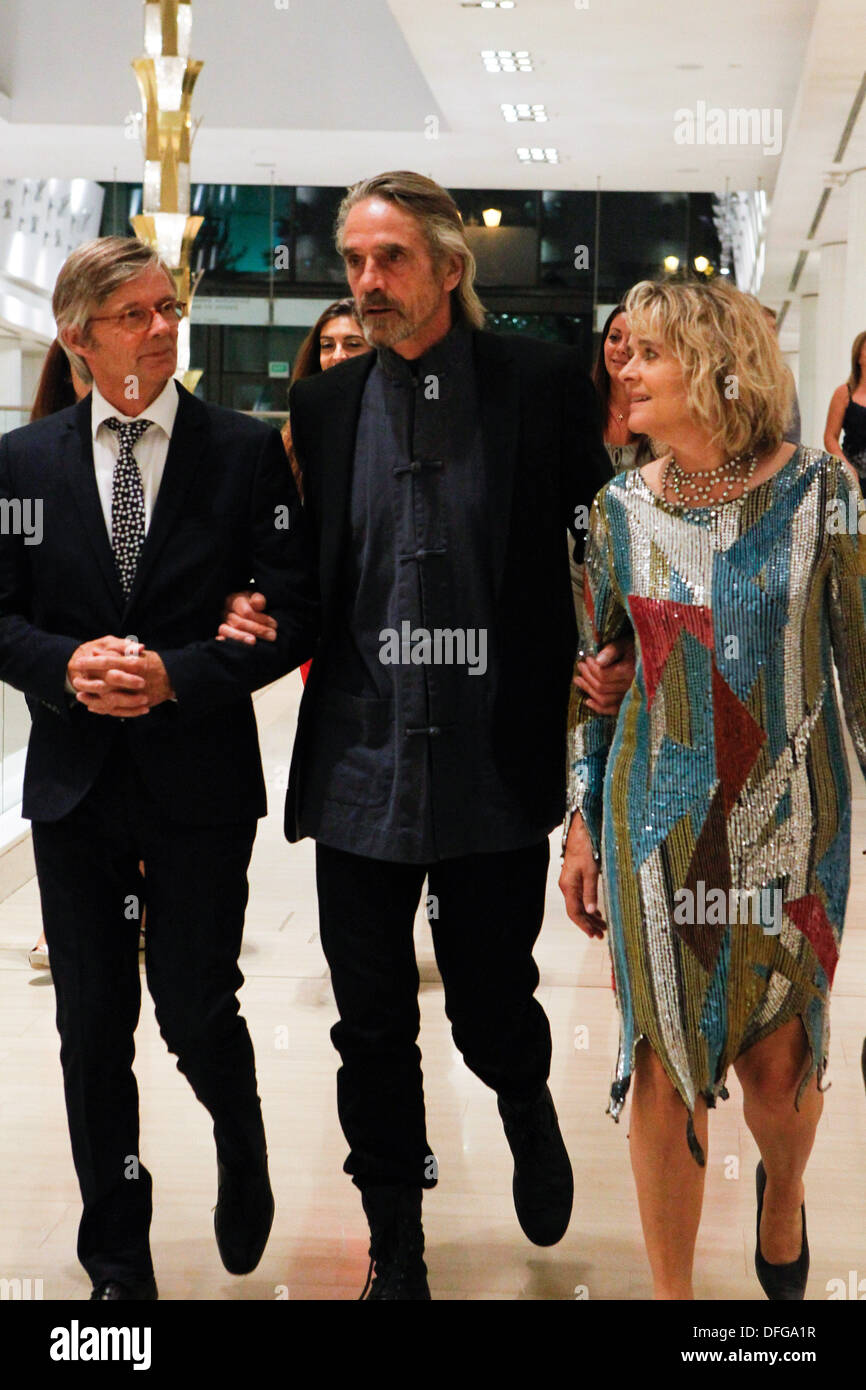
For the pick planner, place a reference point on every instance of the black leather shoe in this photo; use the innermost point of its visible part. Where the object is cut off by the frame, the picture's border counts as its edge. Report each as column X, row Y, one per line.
column 397, row 1267
column 781, row 1283
column 140, row 1290
column 243, row 1216
column 543, row 1184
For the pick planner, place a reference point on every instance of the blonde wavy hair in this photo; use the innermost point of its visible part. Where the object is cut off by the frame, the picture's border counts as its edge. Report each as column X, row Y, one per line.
column 440, row 221
column 738, row 387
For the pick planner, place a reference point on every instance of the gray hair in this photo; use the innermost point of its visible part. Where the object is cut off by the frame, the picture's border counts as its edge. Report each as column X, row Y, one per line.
column 441, row 224
column 90, row 276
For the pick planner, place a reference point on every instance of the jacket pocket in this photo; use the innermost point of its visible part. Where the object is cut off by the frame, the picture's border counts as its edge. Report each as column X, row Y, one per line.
column 353, row 754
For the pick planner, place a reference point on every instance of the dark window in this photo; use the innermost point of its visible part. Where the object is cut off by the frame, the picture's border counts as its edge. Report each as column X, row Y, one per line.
column 637, row 231
column 568, row 239
column 317, row 258
column 506, row 254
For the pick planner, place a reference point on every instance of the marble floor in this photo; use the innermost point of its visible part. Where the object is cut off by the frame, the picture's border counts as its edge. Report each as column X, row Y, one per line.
column 475, row 1249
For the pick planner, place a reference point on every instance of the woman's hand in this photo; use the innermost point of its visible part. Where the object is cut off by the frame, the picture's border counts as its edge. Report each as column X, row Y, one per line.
column 606, row 678
column 578, row 880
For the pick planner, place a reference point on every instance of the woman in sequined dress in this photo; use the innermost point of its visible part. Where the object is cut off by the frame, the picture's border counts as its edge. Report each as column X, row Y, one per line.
column 720, row 794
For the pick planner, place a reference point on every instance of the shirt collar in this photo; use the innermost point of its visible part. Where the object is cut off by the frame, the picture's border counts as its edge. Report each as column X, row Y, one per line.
column 451, row 353
column 162, row 411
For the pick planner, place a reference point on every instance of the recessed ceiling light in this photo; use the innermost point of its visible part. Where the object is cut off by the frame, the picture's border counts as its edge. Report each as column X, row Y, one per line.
column 690, row 67
column 506, row 60
column 534, row 154
column 522, row 111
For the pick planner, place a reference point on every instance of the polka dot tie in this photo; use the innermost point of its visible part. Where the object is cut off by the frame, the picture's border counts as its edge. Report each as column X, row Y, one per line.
column 127, row 501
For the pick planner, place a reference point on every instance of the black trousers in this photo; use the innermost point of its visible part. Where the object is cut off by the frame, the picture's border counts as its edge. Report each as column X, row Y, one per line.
column 485, row 915
column 196, row 885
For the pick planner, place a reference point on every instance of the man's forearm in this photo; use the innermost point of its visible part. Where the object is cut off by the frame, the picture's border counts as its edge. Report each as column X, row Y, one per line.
column 35, row 662
column 207, row 675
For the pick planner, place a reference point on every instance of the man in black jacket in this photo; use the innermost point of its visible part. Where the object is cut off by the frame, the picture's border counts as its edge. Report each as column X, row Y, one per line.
column 441, row 475
column 153, row 506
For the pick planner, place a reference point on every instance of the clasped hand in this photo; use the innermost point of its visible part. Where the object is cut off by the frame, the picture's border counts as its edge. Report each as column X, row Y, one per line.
column 113, row 676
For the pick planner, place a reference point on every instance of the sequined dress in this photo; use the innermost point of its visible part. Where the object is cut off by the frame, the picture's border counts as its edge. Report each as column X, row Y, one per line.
column 720, row 795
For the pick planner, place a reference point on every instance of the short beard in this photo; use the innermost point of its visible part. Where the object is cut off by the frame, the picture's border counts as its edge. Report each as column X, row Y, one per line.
column 390, row 335
column 382, row 334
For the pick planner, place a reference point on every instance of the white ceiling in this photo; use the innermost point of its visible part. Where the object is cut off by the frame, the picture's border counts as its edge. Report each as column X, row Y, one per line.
column 326, row 91
column 332, row 89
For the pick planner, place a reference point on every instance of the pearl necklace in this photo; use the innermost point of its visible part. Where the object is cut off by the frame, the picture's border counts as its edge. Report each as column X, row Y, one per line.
column 729, row 471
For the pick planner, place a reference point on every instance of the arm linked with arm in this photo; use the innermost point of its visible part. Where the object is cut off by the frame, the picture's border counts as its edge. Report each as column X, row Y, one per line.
column 208, row 674
column 586, row 466
column 590, row 734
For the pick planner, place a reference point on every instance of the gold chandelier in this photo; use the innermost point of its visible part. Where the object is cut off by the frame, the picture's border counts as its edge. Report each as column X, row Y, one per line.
column 166, row 77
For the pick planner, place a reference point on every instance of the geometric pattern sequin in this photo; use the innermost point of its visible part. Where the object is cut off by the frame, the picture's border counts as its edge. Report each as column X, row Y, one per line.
column 127, row 501
column 723, row 779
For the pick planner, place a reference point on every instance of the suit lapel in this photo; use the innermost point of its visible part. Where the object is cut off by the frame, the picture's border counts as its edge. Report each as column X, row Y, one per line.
column 182, row 467
column 81, row 477
column 499, row 406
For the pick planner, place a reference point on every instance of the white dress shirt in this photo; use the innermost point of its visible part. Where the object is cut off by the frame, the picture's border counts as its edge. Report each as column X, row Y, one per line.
column 150, row 451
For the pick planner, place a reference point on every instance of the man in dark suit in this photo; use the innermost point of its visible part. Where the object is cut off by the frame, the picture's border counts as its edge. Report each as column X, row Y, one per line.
column 440, row 476
column 144, row 747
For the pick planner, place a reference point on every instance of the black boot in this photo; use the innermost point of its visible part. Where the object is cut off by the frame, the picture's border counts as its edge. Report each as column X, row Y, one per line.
column 396, row 1244
column 244, row 1215
column 543, row 1184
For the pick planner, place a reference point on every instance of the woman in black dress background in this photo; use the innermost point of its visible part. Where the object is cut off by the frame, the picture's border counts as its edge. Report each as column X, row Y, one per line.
column 846, row 418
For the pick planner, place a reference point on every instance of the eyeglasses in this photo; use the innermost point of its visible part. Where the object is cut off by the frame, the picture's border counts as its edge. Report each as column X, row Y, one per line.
column 139, row 320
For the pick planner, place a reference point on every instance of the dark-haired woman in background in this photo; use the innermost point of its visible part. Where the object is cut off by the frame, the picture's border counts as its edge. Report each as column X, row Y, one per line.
column 626, row 450
column 847, row 413
column 334, row 338
column 58, row 387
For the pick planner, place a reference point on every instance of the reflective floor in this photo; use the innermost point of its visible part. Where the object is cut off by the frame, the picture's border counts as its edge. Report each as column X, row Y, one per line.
column 475, row 1249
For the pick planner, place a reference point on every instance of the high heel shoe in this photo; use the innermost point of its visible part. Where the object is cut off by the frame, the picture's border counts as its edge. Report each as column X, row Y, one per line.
column 38, row 957
column 781, row 1283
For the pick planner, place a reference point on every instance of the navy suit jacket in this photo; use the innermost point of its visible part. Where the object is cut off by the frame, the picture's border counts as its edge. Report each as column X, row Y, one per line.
column 227, row 516
column 543, row 449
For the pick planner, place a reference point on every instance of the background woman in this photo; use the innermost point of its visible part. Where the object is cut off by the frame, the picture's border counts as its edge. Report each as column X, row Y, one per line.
column 724, row 775
column 334, row 338
column 846, row 418
column 626, row 450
